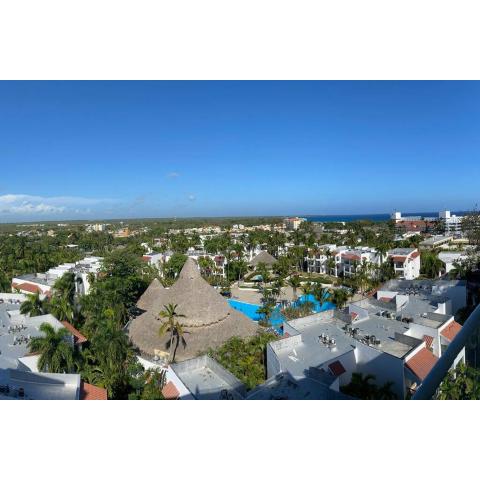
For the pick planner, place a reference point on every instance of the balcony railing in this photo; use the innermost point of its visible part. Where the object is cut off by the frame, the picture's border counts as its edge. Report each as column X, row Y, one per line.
column 470, row 330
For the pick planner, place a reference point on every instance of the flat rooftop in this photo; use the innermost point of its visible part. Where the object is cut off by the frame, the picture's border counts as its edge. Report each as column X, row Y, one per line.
column 300, row 352
column 284, row 387
column 18, row 384
column 401, row 251
column 206, row 379
column 436, row 239
column 39, row 278
column 16, row 330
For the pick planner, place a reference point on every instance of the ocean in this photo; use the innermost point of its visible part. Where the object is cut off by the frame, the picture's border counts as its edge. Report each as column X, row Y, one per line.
column 374, row 217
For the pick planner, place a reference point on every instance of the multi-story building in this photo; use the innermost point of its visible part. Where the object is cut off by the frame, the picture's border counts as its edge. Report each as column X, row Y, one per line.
column 293, row 223
column 452, row 223
column 20, row 377
column 396, row 337
column 340, row 260
column 446, row 221
column 406, row 262
column 43, row 283
column 96, row 227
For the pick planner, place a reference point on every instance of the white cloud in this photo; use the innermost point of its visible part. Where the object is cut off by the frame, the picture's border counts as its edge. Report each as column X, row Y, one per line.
column 173, row 174
column 23, row 204
column 192, row 198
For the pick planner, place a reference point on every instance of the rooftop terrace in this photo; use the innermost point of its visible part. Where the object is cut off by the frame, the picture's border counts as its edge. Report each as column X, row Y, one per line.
column 206, row 379
column 285, row 387
column 18, row 384
column 16, row 330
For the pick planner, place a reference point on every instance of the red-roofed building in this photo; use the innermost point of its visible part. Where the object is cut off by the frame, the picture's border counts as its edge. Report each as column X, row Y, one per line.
column 421, row 363
column 92, row 392
column 29, row 288
column 78, row 338
column 406, row 262
column 170, row 392
column 386, row 299
column 450, row 331
column 428, row 341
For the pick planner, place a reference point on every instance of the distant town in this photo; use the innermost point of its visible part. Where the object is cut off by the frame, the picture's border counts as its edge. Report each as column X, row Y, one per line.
column 244, row 308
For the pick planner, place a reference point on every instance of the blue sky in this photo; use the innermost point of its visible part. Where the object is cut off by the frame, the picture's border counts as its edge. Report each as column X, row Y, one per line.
column 85, row 150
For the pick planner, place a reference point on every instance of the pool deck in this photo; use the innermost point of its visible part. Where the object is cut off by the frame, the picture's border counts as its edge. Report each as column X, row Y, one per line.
column 253, row 296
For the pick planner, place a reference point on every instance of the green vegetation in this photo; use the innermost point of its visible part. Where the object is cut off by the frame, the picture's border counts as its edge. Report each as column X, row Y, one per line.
column 173, row 326
column 56, row 352
column 463, row 383
column 33, row 305
column 431, row 265
column 303, row 310
column 148, row 385
column 245, row 358
column 362, row 387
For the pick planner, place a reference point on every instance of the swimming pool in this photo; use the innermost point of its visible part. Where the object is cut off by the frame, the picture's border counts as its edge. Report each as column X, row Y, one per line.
column 250, row 309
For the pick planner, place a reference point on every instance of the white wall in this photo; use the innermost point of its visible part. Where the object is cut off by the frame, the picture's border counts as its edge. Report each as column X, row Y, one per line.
column 385, row 367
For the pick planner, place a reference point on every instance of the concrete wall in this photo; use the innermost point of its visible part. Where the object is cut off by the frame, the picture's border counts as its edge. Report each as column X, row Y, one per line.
column 385, row 367
column 418, row 331
column 349, row 362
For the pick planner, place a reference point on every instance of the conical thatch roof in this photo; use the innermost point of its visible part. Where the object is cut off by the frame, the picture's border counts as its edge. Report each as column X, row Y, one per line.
column 209, row 320
column 147, row 300
column 263, row 257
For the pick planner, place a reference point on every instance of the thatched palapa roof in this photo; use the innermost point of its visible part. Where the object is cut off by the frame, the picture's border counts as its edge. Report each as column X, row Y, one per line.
column 263, row 257
column 147, row 300
column 209, row 320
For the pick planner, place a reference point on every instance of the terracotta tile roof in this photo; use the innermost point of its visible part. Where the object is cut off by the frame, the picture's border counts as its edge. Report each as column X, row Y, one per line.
column 399, row 258
column 351, row 256
column 428, row 340
column 91, row 392
column 79, row 338
column 451, row 330
column 27, row 287
column 170, row 392
column 415, row 255
column 385, row 299
column 337, row 368
column 421, row 363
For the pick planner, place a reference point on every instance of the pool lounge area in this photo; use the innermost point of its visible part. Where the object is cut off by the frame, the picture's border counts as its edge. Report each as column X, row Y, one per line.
column 250, row 309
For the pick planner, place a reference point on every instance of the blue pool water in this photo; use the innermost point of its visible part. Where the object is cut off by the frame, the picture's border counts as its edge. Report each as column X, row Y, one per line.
column 250, row 309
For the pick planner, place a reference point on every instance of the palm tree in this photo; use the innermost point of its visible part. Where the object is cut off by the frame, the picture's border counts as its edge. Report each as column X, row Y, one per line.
column 262, row 270
column 382, row 250
column 173, row 326
column 385, row 392
column 294, row 282
column 105, row 363
column 321, row 294
column 266, row 309
column 238, row 249
column 55, row 349
column 459, row 270
column 307, row 288
column 361, row 387
column 340, row 297
column 33, row 305
column 61, row 308
column 330, row 263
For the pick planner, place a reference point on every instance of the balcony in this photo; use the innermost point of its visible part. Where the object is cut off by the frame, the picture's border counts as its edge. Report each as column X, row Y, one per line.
column 467, row 337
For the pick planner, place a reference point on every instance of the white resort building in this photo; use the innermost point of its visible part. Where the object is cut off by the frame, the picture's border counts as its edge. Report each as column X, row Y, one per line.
column 340, row 260
column 397, row 337
column 43, row 283
column 19, row 374
column 406, row 262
